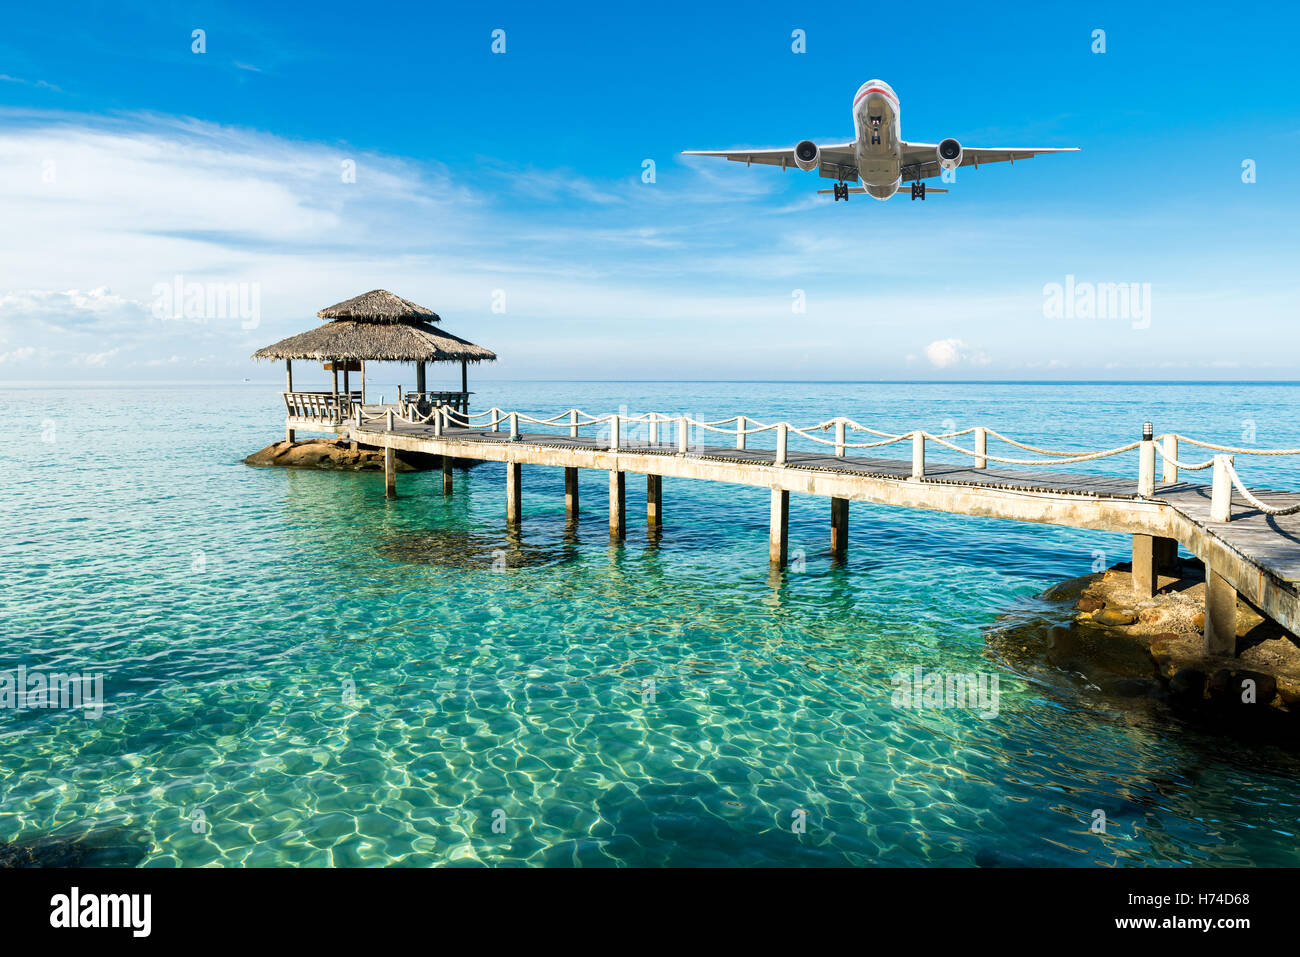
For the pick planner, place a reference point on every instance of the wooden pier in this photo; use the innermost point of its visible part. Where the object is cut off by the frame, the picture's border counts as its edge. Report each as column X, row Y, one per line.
column 1249, row 548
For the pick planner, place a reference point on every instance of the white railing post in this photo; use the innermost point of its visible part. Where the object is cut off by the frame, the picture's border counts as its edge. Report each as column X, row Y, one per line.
column 918, row 454
column 514, row 426
column 437, row 421
column 613, row 432
column 1147, row 463
column 781, row 439
column 388, row 420
column 496, row 419
column 1221, row 492
column 839, row 438
column 981, row 447
column 654, row 428
column 740, row 431
column 1170, row 471
column 683, row 435
column 573, row 423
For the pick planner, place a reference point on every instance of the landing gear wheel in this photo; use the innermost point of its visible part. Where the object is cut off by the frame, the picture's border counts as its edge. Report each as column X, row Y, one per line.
column 841, row 192
column 918, row 189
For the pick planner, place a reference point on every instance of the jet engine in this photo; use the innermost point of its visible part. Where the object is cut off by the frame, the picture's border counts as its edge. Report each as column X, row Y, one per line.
column 949, row 151
column 807, row 156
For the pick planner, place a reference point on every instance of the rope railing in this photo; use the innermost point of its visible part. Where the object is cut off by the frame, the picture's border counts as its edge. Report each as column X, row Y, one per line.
column 613, row 428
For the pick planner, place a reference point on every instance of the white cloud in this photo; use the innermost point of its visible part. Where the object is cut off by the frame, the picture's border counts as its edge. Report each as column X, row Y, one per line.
column 947, row 353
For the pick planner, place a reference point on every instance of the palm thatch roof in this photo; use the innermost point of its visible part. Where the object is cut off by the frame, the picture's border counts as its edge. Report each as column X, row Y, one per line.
column 379, row 305
column 377, row 326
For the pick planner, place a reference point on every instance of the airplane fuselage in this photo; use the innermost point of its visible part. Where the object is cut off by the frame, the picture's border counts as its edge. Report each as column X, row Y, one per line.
column 878, row 140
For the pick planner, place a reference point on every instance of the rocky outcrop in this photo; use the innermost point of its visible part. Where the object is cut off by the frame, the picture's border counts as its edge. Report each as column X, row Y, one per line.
column 333, row 454
column 1097, row 629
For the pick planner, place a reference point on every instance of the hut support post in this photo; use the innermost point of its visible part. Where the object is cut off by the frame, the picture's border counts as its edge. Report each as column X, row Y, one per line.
column 363, row 381
column 464, row 384
column 513, row 492
column 419, row 377
column 288, row 387
column 446, row 474
column 617, row 505
column 654, row 512
column 1220, row 615
column 390, row 473
column 779, row 539
column 571, row 495
column 839, row 525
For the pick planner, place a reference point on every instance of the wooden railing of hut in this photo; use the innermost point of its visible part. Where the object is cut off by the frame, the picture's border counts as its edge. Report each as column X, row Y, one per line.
column 327, row 407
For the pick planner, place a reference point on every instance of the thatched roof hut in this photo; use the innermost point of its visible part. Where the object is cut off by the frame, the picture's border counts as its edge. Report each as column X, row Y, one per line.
column 380, row 327
column 377, row 326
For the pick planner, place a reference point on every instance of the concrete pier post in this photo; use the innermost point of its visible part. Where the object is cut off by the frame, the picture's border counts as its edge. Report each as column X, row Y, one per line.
column 446, row 474
column 514, row 426
column 1144, row 566
column 982, row 447
column 740, row 432
column 839, row 438
column 839, row 525
column 613, row 432
column 617, row 505
column 388, row 420
column 390, row 473
column 571, row 495
column 514, row 492
column 1170, row 471
column 1221, row 490
column 683, row 435
column 654, row 486
column 782, row 438
column 918, row 454
column 779, row 538
column 654, row 428
column 1152, row 554
column 1220, row 615
column 496, row 419
column 573, row 423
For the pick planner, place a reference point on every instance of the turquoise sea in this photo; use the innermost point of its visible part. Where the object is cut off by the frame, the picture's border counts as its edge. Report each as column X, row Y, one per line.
column 297, row 671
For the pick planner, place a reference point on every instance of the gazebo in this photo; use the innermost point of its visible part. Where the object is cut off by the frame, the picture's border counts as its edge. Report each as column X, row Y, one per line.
column 376, row 326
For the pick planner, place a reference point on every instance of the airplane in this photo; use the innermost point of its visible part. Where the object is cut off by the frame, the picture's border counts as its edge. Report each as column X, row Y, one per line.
column 878, row 155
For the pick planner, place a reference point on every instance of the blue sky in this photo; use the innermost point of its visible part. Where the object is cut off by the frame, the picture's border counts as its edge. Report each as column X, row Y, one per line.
column 515, row 180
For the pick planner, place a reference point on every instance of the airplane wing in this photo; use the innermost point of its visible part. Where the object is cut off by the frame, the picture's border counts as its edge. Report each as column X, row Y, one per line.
column 920, row 160
column 838, row 160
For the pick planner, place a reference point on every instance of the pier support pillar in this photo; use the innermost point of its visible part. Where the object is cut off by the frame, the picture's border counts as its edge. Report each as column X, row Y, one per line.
column 446, row 474
column 514, row 483
column 1220, row 615
column 839, row 525
column 617, row 505
column 654, row 511
column 779, row 540
column 390, row 473
column 1152, row 554
column 571, row 495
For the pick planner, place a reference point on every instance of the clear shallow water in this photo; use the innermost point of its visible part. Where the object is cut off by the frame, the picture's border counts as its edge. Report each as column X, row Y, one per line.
column 331, row 678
